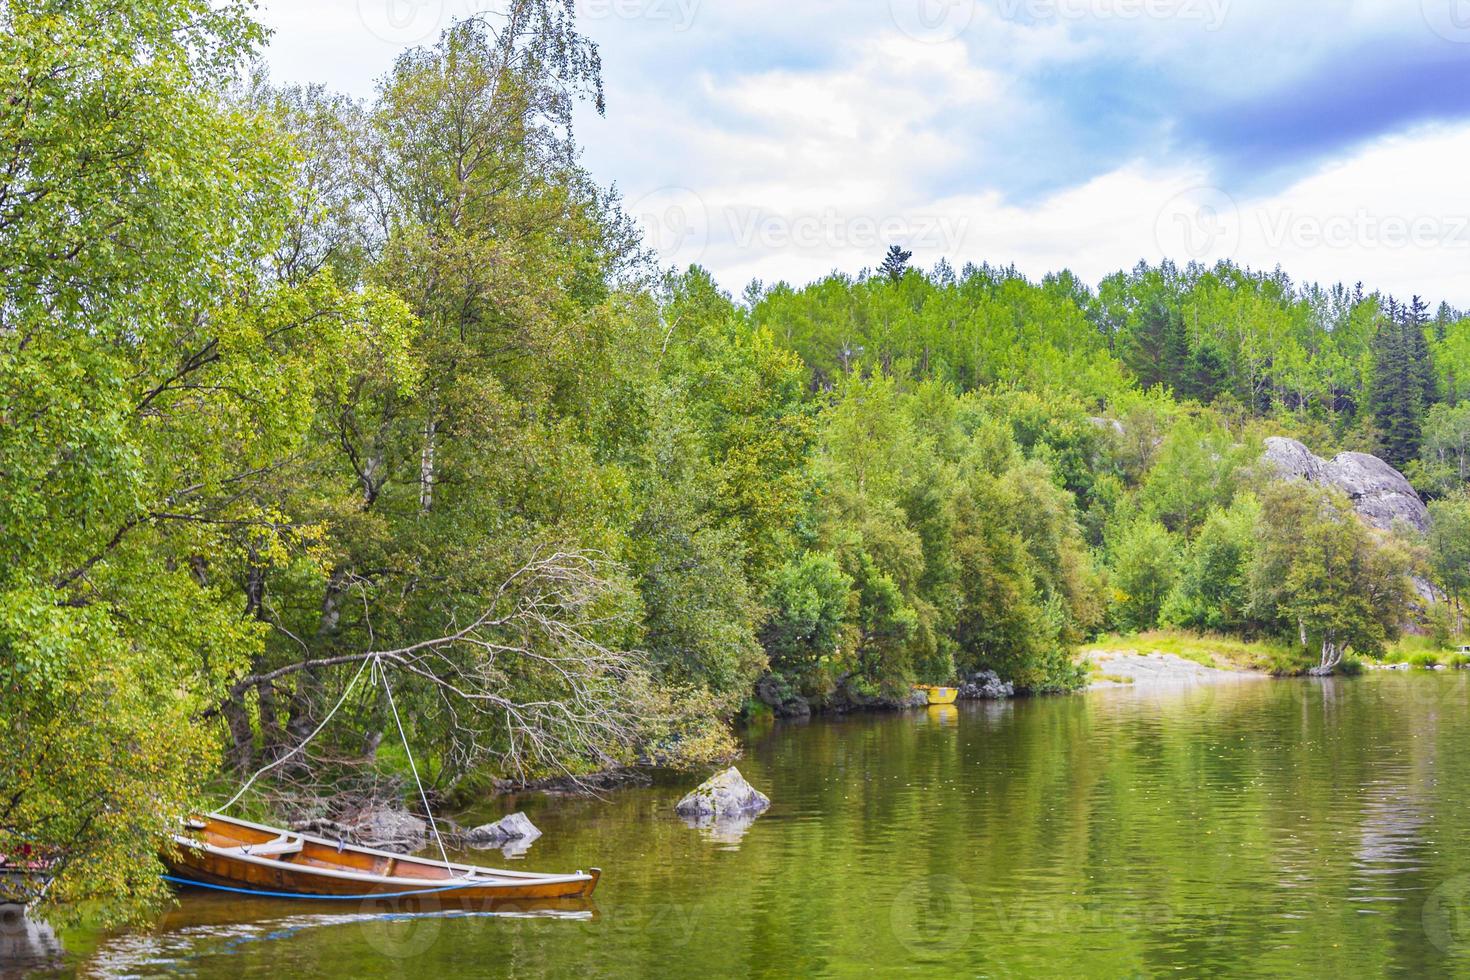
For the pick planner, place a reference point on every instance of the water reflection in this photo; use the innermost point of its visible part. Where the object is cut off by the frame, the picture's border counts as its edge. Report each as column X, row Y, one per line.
column 26, row 944
column 204, row 928
column 728, row 829
column 941, row 715
column 1264, row 829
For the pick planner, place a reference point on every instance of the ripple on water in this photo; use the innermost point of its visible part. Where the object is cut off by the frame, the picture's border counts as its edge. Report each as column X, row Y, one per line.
column 1273, row 828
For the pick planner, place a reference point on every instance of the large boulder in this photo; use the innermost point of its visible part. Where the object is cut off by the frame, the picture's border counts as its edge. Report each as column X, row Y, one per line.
column 516, row 827
column 513, row 834
column 986, row 686
column 722, row 796
column 1379, row 493
column 389, row 830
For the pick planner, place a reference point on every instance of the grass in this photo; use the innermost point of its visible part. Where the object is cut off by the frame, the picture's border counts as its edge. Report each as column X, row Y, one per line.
column 1281, row 659
column 1425, row 652
column 1223, row 652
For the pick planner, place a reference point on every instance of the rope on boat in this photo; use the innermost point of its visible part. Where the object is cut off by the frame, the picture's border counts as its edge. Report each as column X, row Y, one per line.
column 423, row 797
column 372, row 662
column 306, row 741
column 326, row 898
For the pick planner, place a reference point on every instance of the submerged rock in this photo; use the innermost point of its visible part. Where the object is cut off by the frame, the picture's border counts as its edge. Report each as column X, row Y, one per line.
column 516, row 827
column 723, row 796
column 986, row 686
column 1380, row 494
column 389, row 830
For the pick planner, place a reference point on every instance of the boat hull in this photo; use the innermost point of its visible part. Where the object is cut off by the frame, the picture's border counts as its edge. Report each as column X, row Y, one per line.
column 219, row 854
column 941, row 695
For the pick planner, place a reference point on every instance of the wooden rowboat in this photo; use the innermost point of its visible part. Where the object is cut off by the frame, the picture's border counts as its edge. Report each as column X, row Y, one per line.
column 223, row 852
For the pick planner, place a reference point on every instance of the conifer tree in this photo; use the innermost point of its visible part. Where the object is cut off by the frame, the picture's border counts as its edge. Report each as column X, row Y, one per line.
column 895, row 263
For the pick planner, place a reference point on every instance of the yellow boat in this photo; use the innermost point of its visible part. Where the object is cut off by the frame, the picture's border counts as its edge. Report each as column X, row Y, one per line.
column 940, row 695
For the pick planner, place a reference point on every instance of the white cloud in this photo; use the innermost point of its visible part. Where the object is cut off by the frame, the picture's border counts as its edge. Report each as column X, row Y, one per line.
column 776, row 140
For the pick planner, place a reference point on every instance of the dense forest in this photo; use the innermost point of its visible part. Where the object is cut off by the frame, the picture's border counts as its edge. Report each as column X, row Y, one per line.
column 292, row 385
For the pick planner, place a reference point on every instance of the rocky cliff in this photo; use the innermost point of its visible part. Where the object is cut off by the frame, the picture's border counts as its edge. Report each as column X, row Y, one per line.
column 1379, row 493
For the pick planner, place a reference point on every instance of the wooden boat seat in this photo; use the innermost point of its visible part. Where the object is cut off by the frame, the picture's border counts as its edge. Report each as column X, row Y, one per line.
column 280, row 847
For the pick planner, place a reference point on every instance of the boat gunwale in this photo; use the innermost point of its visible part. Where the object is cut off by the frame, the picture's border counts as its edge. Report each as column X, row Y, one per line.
column 509, row 879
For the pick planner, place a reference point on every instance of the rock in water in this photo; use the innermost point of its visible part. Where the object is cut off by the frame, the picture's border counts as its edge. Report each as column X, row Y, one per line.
column 726, row 794
column 1380, row 494
column 516, row 827
column 389, row 830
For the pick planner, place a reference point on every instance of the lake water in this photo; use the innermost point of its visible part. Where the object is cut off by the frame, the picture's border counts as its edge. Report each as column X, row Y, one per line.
column 1272, row 828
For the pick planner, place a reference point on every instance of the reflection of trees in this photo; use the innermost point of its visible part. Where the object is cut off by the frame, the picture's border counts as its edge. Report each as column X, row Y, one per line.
column 26, row 944
column 1241, row 830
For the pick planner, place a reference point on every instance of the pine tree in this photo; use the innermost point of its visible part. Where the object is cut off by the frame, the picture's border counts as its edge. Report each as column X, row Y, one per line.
column 895, row 263
column 1403, row 379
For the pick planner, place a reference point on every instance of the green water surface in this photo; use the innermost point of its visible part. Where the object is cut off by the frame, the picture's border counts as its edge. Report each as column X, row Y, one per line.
column 1265, row 828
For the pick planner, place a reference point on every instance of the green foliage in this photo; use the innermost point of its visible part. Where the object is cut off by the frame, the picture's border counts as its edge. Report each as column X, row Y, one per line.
column 1443, row 466
column 292, row 379
column 1213, row 591
column 1449, row 548
column 1321, row 573
column 147, row 393
column 1143, row 568
column 809, row 603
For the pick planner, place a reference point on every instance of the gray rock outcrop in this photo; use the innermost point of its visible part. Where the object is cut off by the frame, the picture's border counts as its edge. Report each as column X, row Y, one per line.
column 783, row 702
column 723, row 796
column 986, row 686
column 389, row 830
column 1379, row 493
column 516, row 827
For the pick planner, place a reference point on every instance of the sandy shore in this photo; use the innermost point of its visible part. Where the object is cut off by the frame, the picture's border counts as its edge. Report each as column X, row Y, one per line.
column 1136, row 670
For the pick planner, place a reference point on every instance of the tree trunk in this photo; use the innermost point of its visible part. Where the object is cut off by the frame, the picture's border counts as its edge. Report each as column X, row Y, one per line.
column 426, row 466
column 241, row 753
column 308, row 683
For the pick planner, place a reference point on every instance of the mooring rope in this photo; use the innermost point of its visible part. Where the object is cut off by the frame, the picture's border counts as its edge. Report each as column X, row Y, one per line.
column 269, row 766
column 423, row 797
column 326, row 898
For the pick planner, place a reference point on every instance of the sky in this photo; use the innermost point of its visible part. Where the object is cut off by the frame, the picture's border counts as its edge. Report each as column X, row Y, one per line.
column 784, row 139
